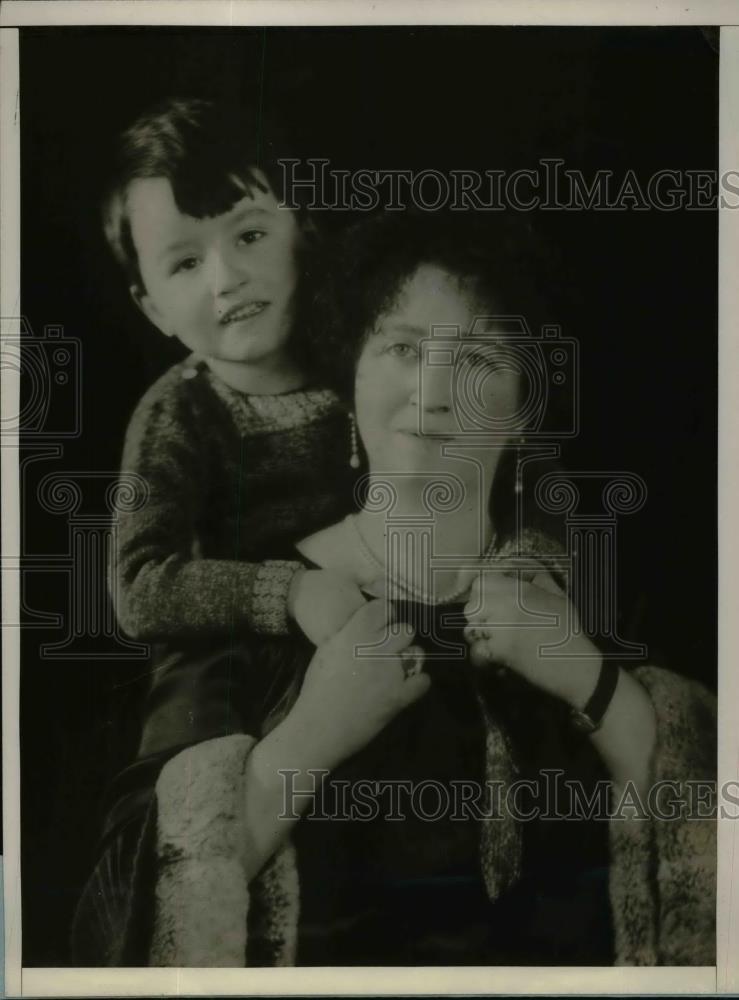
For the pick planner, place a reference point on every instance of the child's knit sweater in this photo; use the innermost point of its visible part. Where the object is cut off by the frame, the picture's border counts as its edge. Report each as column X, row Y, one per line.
column 226, row 484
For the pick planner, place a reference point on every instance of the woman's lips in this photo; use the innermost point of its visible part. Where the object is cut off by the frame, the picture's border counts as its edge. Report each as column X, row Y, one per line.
column 428, row 438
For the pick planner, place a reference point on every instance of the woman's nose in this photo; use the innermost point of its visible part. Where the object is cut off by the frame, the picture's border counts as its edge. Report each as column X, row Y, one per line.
column 432, row 389
column 226, row 271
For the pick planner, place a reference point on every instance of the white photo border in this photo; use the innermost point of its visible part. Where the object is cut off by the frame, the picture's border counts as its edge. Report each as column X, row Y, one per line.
column 724, row 978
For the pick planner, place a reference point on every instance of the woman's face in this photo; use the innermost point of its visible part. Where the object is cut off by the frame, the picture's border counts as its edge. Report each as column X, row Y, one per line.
column 429, row 382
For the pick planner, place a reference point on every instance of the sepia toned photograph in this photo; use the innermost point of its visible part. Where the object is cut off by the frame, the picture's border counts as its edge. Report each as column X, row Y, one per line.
column 367, row 451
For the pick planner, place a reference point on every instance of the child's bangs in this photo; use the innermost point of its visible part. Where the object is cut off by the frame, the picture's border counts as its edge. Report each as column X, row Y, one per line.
column 203, row 189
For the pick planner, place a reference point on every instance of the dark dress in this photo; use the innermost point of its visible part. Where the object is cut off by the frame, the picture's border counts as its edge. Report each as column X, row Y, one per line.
column 383, row 891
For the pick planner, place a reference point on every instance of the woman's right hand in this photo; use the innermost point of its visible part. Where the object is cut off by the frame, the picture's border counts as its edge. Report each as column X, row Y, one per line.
column 345, row 701
column 351, row 693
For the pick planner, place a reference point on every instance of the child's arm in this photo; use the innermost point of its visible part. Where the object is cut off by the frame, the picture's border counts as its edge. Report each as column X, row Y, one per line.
column 160, row 588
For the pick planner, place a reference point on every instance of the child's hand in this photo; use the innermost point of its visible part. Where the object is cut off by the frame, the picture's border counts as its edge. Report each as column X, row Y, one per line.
column 322, row 602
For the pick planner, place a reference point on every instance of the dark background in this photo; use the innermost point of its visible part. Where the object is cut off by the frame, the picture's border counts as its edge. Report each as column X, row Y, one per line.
column 641, row 294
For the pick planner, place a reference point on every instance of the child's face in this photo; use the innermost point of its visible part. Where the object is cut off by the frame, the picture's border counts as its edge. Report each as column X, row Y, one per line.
column 224, row 286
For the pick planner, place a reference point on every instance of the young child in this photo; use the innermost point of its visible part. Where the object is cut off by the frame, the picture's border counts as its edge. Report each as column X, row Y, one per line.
column 241, row 457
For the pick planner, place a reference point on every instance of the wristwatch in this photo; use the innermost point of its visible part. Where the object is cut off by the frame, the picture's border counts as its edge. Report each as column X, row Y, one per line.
column 590, row 718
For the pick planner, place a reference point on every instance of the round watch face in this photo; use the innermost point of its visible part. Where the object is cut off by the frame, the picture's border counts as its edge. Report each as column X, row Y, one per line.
column 582, row 722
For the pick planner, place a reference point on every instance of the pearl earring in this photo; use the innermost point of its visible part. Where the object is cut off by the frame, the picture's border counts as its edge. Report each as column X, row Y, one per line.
column 354, row 457
column 518, row 488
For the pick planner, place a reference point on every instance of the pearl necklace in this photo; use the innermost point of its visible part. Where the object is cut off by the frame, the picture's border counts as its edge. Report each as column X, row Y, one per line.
column 416, row 592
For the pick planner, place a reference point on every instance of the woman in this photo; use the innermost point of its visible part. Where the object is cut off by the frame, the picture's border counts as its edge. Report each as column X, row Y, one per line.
column 290, row 842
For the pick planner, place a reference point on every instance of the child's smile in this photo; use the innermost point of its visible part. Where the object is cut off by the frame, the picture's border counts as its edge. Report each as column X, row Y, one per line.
column 245, row 312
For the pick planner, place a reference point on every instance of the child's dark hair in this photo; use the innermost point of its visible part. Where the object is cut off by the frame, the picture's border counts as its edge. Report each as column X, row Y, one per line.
column 497, row 257
column 209, row 153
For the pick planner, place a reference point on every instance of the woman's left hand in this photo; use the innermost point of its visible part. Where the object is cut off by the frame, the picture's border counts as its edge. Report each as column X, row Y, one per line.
column 500, row 632
column 503, row 631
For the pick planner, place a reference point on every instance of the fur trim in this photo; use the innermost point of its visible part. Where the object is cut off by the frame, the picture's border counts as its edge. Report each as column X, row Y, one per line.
column 273, row 918
column 201, row 894
column 663, row 871
column 632, row 892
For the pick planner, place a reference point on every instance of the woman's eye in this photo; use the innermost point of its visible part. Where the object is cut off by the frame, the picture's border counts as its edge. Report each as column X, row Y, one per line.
column 401, row 351
column 251, row 236
column 478, row 359
column 186, row 264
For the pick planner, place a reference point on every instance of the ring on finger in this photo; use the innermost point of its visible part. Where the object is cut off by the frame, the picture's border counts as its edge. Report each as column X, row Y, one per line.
column 411, row 660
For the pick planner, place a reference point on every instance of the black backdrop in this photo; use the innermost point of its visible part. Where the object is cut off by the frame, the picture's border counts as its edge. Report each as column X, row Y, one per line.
column 642, row 300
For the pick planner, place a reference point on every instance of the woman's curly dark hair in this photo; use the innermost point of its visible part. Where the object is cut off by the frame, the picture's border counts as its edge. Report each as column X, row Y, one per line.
column 498, row 257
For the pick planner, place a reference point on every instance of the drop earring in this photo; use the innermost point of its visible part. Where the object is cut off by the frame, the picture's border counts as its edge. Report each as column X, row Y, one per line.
column 354, row 456
column 518, row 487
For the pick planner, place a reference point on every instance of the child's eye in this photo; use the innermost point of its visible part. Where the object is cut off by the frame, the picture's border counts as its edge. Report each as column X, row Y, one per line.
column 251, row 235
column 186, row 264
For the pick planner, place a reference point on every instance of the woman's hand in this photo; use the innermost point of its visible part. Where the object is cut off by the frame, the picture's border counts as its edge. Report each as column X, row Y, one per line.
column 345, row 701
column 504, row 631
column 356, row 683
column 626, row 737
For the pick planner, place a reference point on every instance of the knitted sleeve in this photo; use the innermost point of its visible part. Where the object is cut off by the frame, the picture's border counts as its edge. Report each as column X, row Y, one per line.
column 161, row 590
column 663, row 851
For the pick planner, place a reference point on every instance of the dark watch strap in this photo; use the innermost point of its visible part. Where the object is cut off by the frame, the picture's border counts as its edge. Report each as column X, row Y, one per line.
column 590, row 718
